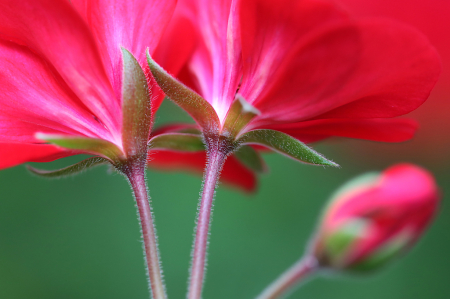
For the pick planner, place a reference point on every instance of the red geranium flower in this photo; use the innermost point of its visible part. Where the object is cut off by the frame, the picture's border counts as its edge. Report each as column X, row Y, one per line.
column 311, row 70
column 62, row 73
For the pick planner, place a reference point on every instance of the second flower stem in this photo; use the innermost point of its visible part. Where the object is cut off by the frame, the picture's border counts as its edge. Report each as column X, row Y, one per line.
column 217, row 155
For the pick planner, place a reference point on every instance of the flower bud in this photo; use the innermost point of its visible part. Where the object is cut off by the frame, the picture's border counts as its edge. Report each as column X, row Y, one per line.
column 375, row 217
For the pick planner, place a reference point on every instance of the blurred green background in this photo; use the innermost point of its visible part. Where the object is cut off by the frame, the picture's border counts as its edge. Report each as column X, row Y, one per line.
column 78, row 238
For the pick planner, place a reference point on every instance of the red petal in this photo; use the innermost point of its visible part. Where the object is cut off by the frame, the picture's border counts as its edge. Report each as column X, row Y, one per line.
column 35, row 99
column 55, row 31
column 233, row 173
column 397, row 71
column 12, row 130
column 384, row 130
column 15, row 153
column 174, row 127
column 294, row 55
column 177, row 45
column 297, row 68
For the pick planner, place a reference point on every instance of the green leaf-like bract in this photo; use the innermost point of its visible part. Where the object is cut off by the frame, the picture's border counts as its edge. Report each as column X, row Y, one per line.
column 94, row 146
column 238, row 116
column 202, row 111
column 338, row 245
column 177, row 142
column 70, row 170
column 136, row 107
column 285, row 145
column 251, row 158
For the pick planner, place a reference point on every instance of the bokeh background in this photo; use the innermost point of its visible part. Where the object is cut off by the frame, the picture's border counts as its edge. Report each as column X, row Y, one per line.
column 78, row 238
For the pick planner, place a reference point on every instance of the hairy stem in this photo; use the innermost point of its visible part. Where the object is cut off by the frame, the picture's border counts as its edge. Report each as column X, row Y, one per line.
column 135, row 173
column 217, row 153
column 291, row 278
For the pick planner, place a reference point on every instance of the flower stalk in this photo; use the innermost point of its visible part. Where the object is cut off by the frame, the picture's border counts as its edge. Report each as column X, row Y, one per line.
column 135, row 173
column 218, row 151
column 301, row 270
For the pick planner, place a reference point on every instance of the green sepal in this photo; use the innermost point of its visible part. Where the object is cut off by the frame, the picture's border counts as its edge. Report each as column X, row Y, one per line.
column 94, row 146
column 239, row 115
column 177, row 142
column 70, row 170
column 338, row 244
column 285, row 145
column 384, row 255
column 200, row 110
column 136, row 107
column 251, row 158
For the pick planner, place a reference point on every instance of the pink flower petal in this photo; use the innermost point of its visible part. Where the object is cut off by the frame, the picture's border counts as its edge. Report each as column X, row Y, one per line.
column 56, row 32
column 406, row 198
column 217, row 60
column 134, row 25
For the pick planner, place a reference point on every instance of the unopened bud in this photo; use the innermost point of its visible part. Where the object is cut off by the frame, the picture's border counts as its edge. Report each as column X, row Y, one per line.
column 375, row 217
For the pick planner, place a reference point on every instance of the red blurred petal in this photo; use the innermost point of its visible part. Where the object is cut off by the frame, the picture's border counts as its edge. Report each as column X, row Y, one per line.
column 233, row 173
column 172, row 52
column 176, row 46
column 13, row 154
column 384, row 130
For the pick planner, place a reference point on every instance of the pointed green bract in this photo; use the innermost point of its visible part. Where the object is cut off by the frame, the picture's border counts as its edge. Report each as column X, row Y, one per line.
column 70, row 170
column 177, row 142
column 251, row 158
column 285, row 145
column 202, row 111
column 239, row 115
column 94, row 146
column 136, row 107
